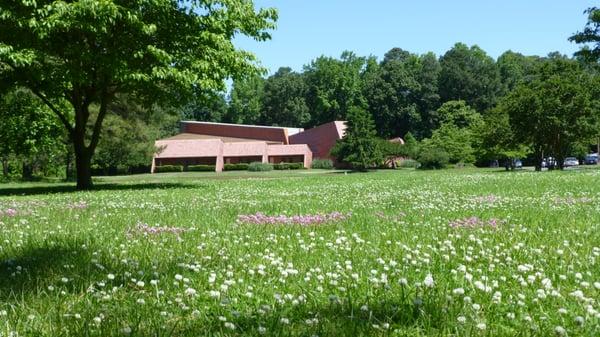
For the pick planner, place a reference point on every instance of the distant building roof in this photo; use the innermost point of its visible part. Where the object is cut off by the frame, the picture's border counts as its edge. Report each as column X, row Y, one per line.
column 258, row 132
column 184, row 136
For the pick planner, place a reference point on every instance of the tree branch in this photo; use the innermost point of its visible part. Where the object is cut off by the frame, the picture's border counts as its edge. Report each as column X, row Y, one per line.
column 60, row 115
column 98, row 124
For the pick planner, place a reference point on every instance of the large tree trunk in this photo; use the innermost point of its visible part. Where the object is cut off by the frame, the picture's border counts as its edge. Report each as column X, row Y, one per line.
column 27, row 170
column 83, row 164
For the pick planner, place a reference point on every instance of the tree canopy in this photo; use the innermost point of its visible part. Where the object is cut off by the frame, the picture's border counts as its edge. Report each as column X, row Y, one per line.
column 87, row 52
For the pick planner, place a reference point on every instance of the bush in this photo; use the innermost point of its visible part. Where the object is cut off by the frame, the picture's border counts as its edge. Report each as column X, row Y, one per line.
column 408, row 163
column 200, row 168
column 288, row 166
column 325, row 164
column 259, row 167
column 433, row 158
column 235, row 167
column 168, row 168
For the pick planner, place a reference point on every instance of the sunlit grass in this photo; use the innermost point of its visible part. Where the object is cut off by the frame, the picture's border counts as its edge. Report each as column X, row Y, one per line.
column 165, row 255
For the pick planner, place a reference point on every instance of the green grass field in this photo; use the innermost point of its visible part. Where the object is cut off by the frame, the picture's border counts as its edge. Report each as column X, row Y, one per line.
column 411, row 253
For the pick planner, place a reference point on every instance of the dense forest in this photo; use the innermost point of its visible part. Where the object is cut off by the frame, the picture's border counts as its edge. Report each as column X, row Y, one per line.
column 474, row 108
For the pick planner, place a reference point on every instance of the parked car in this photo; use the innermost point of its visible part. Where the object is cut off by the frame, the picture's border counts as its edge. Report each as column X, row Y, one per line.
column 549, row 162
column 591, row 159
column 571, row 161
column 517, row 163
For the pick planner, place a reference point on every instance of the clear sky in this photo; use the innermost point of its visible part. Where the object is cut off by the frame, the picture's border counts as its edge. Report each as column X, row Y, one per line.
column 310, row 28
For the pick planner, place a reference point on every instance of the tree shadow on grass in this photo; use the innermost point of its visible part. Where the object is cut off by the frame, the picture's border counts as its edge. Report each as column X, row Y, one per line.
column 33, row 270
column 51, row 189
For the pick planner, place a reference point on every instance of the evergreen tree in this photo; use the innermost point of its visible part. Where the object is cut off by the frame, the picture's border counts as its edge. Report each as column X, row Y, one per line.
column 360, row 147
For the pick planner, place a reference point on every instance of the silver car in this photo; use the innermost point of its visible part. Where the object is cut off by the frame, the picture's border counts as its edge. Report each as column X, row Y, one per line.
column 571, row 161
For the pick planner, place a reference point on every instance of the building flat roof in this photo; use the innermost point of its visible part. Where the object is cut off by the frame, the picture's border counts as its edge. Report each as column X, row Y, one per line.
column 290, row 130
column 185, row 135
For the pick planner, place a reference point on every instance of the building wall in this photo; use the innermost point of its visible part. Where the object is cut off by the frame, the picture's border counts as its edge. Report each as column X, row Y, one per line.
column 320, row 139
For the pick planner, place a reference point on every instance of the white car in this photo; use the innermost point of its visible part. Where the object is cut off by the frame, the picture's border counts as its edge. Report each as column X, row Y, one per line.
column 571, row 161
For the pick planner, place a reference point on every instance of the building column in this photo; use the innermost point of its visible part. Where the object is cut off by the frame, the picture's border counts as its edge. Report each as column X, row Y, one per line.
column 307, row 159
column 153, row 165
column 219, row 163
column 265, row 156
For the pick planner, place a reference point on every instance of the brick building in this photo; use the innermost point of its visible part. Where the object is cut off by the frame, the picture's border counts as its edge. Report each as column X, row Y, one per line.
column 217, row 144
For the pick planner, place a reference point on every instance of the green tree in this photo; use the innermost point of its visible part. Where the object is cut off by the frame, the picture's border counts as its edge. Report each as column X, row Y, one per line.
column 284, row 101
column 589, row 36
column 514, row 68
column 469, row 74
column 245, row 101
column 455, row 136
column 495, row 139
column 390, row 94
column 207, row 107
column 360, row 147
column 334, row 87
column 554, row 110
column 27, row 131
column 129, row 134
column 87, row 52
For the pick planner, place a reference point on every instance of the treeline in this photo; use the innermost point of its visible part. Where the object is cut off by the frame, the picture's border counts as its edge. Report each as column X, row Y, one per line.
column 464, row 105
column 462, row 108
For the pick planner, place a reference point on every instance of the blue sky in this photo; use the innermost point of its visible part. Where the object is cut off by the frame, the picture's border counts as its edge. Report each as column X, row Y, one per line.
column 310, row 28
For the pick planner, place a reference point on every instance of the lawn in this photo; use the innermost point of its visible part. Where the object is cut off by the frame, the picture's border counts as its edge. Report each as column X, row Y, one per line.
column 389, row 253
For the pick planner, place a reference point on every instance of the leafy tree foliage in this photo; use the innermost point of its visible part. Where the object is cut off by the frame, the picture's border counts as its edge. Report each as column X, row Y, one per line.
column 208, row 107
column 469, row 74
column 245, row 106
column 456, row 133
column 360, row 147
column 334, row 87
column 27, row 132
column 283, row 101
column 87, row 52
column 554, row 110
column 590, row 36
column 129, row 134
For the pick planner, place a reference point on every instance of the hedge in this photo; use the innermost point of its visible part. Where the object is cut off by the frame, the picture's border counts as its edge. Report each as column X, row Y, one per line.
column 168, row 168
column 258, row 166
column 235, row 167
column 326, row 164
column 201, row 168
column 288, row 166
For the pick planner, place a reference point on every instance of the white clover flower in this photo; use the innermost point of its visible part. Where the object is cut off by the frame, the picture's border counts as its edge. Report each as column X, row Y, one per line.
column 284, row 320
column 481, row 326
column 461, row 319
column 140, row 284
column 190, row 292
column 178, row 277
column 97, row 320
column 458, row 291
column 140, row 301
column 560, row 331
column 428, row 281
column 64, row 280
column 126, row 330
column 229, row 325
column 3, row 313
column 111, row 276
column 154, row 282
column 262, row 330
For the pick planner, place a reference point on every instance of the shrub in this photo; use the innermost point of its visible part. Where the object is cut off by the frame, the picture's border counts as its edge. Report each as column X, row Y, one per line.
column 408, row 163
column 200, row 168
column 433, row 158
column 325, row 164
column 259, row 167
column 235, row 167
column 168, row 168
column 288, row 166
